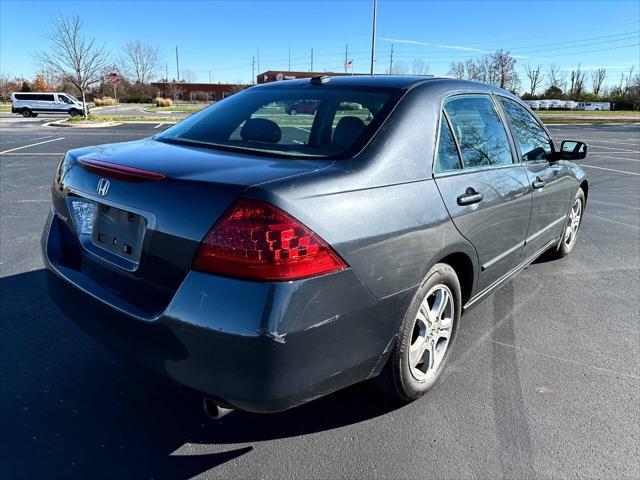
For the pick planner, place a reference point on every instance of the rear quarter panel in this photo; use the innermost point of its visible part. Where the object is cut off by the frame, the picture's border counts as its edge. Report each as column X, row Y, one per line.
column 381, row 210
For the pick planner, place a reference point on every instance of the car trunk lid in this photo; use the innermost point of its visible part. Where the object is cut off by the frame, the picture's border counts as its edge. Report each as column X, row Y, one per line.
column 159, row 202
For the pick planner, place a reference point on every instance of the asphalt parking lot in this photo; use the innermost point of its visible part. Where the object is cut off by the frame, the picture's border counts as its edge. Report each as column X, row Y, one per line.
column 544, row 381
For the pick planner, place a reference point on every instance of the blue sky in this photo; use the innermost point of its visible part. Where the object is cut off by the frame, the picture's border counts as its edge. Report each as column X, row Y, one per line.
column 222, row 36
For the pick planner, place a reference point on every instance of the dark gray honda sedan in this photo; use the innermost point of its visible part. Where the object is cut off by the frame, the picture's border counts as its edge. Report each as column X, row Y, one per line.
column 265, row 259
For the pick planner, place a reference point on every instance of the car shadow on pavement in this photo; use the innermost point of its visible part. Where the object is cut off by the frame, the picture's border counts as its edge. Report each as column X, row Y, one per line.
column 69, row 408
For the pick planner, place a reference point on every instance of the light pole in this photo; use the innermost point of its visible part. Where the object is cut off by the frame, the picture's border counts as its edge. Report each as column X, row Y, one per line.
column 373, row 34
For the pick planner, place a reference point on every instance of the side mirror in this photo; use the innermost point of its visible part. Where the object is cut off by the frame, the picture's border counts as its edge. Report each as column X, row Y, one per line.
column 573, row 150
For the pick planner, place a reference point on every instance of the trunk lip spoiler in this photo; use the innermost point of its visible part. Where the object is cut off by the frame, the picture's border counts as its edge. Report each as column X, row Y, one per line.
column 120, row 172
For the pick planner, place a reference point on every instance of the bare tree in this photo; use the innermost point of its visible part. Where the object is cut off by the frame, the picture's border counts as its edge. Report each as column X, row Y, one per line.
column 456, row 69
column 419, row 67
column 597, row 79
column 473, row 70
column 141, row 61
column 557, row 78
column 73, row 57
column 626, row 81
column 399, row 68
column 503, row 68
column 50, row 76
column 188, row 76
column 577, row 83
column 535, row 76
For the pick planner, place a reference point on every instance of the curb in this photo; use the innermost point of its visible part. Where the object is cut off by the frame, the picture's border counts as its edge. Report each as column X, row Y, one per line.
column 66, row 124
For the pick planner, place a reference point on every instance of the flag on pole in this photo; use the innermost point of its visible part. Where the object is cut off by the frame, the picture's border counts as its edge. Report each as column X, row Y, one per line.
column 348, row 64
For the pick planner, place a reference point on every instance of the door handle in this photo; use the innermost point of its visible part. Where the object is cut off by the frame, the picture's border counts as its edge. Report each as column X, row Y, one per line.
column 538, row 183
column 469, row 197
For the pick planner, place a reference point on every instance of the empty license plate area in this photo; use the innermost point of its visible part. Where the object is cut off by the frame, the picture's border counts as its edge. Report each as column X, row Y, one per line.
column 118, row 231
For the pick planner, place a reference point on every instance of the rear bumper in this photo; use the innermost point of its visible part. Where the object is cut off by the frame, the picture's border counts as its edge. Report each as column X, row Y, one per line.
column 260, row 347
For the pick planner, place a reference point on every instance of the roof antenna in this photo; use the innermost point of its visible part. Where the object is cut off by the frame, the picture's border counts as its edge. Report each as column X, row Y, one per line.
column 320, row 79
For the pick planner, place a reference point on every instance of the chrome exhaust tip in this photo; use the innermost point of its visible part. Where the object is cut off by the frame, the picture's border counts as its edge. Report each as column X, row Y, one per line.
column 213, row 409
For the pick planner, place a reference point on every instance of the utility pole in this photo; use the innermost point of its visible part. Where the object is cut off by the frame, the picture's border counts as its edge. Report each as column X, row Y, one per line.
column 289, row 55
column 373, row 34
column 391, row 61
column 311, row 60
column 166, row 72
column 346, row 56
column 178, row 74
column 209, row 76
column 258, row 60
column 177, row 67
column 253, row 70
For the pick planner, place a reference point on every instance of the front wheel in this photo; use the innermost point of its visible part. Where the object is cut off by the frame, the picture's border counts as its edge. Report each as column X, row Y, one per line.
column 74, row 112
column 425, row 338
column 26, row 113
column 293, row 111
column 572, row 225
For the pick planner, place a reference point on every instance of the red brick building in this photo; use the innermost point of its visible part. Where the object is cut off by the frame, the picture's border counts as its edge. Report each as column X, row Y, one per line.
column 201, row 92
column 277, row 75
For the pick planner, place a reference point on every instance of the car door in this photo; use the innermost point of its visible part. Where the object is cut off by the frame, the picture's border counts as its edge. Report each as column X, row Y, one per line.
column 60, row 103
column 487, row 194
column 50, row 102
column 551, row 182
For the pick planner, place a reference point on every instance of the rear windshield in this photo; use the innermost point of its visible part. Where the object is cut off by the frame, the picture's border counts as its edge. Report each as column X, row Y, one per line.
column 308, row 121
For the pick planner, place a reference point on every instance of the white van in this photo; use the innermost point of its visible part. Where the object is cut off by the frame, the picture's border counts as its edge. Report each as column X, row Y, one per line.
column 30, row 104
column 544, row 104
column 556, row 104
column 595, row 106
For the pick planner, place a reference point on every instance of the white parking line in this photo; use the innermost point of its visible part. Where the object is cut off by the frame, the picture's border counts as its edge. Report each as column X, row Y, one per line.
column 615, row 158
column 611, row 141
column 303, row 129
column 32, row 145
column 38, row 154
column 617, row 149
column 26, row 140
column 611, row 169
column 158, row 125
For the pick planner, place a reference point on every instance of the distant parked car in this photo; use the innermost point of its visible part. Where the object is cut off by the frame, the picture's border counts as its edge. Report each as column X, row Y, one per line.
column 596, row 106
column 30, row 104
column 556, row 104
column 266, row 268
column 302, row 106
column 533, row 104
column 544, row 104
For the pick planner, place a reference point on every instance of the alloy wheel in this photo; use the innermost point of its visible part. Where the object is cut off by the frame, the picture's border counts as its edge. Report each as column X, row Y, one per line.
column 575, row 215
column 431, row 332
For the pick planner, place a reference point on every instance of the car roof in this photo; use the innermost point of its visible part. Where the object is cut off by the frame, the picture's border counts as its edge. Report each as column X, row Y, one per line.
column 389, row 81
column 400, row 82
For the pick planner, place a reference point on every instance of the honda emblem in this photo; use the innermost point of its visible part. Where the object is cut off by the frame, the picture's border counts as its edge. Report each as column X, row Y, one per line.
column 103, row 187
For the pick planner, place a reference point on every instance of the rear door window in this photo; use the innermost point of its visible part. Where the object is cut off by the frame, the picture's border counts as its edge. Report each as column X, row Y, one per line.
column 481, row 135
column 531, row 138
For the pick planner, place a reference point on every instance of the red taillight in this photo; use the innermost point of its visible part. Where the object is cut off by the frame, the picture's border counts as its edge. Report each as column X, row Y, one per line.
column 258, row 241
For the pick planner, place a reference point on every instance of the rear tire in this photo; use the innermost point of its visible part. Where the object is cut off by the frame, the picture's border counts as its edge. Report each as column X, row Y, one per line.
column 571, row 226
column 433, row 315
column 26, row 113
column 293, row 111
